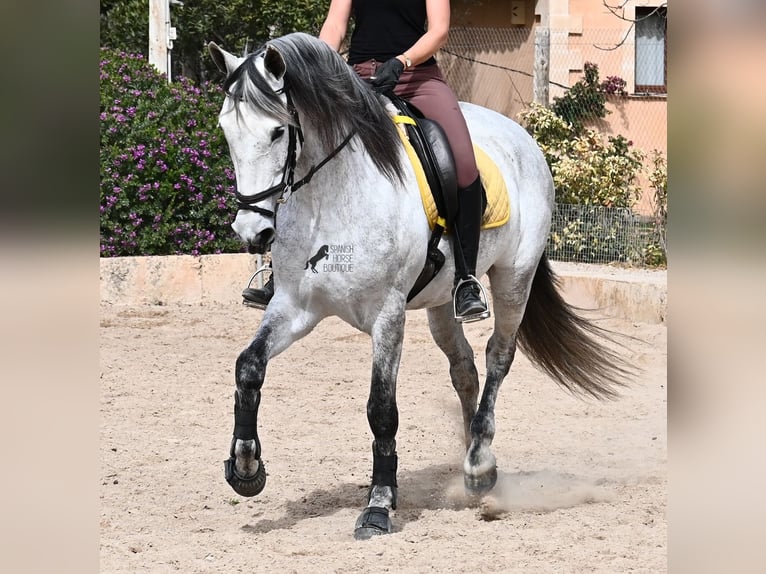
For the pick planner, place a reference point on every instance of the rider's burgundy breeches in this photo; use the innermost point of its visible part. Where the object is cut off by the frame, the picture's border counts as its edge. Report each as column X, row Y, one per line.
column 425, row 88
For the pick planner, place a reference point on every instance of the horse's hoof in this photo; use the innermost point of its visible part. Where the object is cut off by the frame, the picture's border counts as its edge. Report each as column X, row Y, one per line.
column 480, row 485
column 374, row 521
column 245, row 486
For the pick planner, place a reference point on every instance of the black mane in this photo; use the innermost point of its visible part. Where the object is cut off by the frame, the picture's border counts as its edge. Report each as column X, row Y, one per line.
column 326, row 93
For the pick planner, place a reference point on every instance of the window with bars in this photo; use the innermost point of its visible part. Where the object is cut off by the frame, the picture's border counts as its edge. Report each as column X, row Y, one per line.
column 651, row 49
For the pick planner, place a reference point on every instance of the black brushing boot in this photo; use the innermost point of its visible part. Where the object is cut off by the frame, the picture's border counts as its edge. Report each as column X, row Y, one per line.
column 467, row 293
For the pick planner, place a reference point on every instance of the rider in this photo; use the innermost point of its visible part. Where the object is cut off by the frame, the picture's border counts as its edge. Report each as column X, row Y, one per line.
column 392, row 48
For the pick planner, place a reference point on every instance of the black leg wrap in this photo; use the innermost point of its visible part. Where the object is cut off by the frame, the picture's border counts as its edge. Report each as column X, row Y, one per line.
column 384, row 470
column 246, row 421
column 384, row 474
column 246, row 429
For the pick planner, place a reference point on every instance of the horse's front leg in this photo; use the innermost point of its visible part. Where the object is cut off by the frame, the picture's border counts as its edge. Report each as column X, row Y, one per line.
column 244, row 469
column 383, row 416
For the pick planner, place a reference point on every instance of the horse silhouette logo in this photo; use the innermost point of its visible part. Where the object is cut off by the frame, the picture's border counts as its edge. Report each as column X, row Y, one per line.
column 323, row 253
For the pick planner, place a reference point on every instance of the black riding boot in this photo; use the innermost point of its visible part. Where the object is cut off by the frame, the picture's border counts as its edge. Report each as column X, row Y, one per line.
column 259, row 298
column 467, row 291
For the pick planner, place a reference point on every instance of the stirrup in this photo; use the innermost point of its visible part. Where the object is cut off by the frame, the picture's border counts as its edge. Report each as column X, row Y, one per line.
column 253, row 304
column 475, row 316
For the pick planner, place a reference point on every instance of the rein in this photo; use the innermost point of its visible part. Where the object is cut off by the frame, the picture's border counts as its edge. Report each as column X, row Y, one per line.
column 287, row 186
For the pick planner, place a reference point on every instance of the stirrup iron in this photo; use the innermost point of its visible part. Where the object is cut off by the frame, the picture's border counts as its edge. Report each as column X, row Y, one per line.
column 484, row 299
column 253, row 304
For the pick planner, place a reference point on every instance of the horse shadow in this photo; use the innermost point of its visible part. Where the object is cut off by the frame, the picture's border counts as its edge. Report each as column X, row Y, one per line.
column 423, row 488
column 440, row 487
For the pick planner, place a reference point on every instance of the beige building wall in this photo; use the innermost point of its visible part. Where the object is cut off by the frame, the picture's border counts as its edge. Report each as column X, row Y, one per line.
column 609, row 41
column 491, row 38
column 597, row 35
column 500, row 34
column 493, row 14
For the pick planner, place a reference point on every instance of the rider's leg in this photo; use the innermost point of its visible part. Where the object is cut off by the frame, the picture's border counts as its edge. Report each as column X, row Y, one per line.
column 426, row 89
column 468, row 302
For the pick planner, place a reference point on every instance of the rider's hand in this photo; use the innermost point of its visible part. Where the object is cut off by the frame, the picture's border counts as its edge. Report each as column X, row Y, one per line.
column 387, row 76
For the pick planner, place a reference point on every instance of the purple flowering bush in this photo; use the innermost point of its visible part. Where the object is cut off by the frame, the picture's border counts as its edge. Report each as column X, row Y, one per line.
column 167, row 183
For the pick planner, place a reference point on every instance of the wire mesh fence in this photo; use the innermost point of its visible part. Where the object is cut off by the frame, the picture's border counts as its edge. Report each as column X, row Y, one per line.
column 596, row 234
column 495, row 68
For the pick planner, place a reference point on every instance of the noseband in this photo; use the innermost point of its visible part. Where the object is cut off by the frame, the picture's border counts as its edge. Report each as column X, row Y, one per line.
column 287, row 186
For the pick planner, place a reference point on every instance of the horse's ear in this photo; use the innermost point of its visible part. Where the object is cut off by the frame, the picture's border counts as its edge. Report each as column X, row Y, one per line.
column 274, row 62
column 223, row 60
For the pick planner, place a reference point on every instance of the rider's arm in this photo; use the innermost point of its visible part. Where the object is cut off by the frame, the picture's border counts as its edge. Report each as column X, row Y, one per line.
column 438, row 14
column 335, row 24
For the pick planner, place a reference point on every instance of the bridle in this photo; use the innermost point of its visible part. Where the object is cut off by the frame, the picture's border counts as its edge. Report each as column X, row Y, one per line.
column 287, row 185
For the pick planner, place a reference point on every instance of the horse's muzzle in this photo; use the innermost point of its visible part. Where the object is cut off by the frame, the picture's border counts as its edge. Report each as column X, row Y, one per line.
column 260, row 243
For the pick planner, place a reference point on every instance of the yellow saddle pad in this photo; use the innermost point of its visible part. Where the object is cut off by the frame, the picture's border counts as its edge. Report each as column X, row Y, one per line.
column 498, row 209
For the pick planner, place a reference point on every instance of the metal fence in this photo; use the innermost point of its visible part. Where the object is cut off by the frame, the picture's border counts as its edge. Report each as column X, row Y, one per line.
column 495, row 68
column 595, row 234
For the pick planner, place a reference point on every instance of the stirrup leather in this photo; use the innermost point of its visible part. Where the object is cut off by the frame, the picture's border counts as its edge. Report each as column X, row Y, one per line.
column 475, row 316
column 246, row 301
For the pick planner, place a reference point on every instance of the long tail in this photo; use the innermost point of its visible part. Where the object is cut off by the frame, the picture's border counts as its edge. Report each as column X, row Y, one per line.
column 566, row 346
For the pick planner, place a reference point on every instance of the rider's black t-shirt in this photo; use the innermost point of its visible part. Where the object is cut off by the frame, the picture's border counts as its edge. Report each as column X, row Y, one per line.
column 386, row 28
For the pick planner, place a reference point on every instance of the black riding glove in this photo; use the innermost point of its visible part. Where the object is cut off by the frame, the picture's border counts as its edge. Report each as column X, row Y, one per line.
column 387, row 76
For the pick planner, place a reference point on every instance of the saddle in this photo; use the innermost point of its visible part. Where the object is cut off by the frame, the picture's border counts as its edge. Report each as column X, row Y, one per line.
column 433, row 150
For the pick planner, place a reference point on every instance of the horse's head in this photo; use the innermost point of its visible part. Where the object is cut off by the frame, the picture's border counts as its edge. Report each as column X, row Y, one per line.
column 256, row 121
column 266, row 92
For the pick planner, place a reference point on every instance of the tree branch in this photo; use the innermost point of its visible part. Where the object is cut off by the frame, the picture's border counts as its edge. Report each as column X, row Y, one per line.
column 614, row 9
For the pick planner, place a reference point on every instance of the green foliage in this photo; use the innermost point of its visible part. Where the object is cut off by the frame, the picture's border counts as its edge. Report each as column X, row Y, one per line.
column 596, row 178
column 595, row 234
column 236, row 25
column 586, row 100
column 655, row 252
column 125, row 25
column 587, row 168
column 582, row 102
column 166, row 178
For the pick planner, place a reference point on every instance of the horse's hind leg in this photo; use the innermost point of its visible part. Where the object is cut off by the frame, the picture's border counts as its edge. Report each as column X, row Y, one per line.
column 449, row 337
column 383, row 416
column 244, row 468
column 509, row 295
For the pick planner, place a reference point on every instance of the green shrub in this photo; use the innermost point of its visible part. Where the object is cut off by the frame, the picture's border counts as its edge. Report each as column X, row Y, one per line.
column 166, row 178
column 596, row 180
column 596, row 234
column 655, row 252
column 233, row 25
column 587, row 168
column 586, row 100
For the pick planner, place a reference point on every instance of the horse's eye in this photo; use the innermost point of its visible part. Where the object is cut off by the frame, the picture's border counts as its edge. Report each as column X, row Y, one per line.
column 277, row 133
